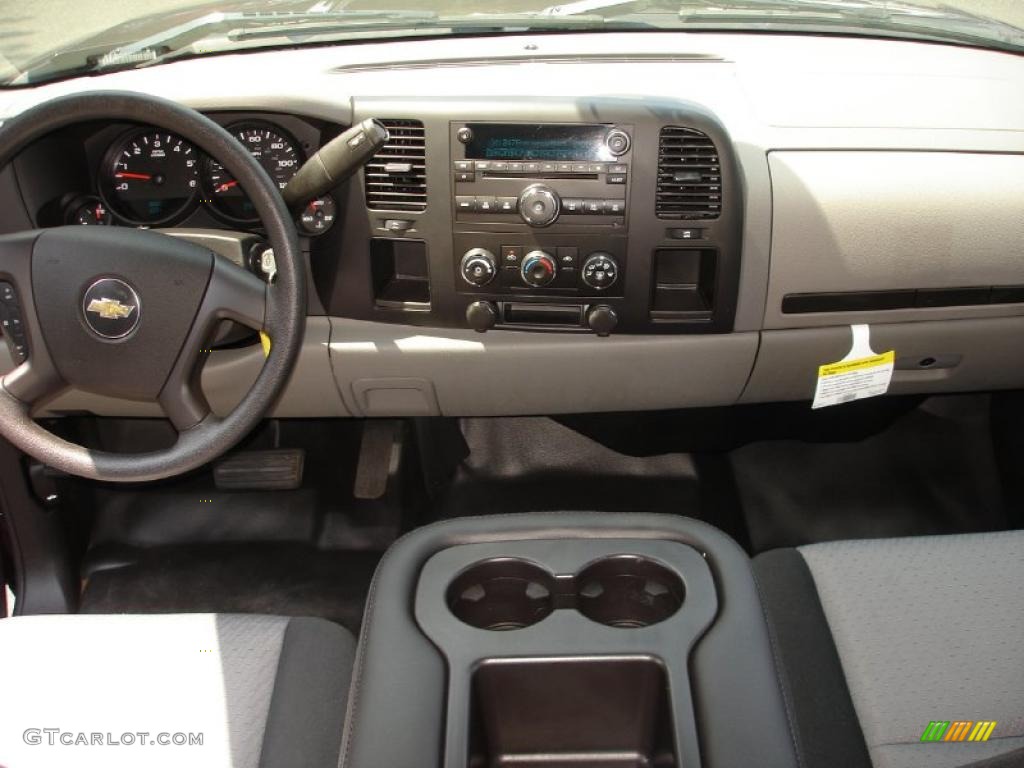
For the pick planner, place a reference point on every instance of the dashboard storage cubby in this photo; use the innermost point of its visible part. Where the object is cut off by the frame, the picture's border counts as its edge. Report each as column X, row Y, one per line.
column 570, row 713
column 593, row 666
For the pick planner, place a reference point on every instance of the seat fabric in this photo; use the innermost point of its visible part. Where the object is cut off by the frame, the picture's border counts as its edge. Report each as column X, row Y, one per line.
column 925, row 629
column 106, row 690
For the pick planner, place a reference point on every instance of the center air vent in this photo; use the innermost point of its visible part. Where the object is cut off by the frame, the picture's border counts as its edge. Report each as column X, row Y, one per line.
column 689, row 175
column 396, row 177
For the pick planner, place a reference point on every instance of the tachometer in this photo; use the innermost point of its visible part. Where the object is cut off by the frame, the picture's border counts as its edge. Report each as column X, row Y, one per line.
column 274, row 149
column 150, row 177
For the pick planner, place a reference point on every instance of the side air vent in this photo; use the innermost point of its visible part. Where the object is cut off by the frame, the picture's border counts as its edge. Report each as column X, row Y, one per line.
column 689, row 175
column 396, row 178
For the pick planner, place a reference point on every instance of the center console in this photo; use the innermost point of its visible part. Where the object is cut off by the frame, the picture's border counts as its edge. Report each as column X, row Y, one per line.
column 596, row 217
column 563, row 640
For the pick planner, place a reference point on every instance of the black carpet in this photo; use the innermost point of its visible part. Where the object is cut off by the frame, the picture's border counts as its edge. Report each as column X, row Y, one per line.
column 277, row 578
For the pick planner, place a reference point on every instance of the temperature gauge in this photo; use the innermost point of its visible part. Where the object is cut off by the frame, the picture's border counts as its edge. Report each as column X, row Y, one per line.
column 318, row 216
column 88, row 211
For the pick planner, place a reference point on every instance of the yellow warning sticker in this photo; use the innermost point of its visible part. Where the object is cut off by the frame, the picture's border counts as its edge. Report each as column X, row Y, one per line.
column 861, row 374
column 848, row 366
column 265, row 341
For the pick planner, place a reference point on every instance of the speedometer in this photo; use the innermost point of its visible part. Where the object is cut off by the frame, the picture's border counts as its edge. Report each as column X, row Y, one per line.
column 274, row 149
column 150, row 177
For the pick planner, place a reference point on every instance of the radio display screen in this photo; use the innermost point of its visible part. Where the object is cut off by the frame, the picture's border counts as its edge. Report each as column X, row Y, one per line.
column 492, row 141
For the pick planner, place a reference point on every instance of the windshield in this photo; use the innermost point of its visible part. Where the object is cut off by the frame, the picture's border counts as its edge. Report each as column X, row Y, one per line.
column 50, row 39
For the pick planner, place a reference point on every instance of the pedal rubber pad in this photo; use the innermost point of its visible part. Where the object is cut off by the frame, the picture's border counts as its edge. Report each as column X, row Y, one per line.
column 279, row 469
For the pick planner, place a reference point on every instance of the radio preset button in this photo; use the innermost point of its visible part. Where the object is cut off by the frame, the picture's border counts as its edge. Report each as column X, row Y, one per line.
column 531, row 168
column 485, row 204
column 463, row 165
column 516, row 167
column 618, row 168
column 483, row 165
column 581, row 167
column 548, row 167
column 564, row 168
column 508, row 204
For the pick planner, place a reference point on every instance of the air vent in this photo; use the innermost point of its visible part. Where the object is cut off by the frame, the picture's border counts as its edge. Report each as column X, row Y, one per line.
column 396, row 177
column 689, row 175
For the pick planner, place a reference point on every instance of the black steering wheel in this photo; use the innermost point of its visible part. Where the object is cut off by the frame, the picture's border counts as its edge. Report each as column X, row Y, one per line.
column 125, row 312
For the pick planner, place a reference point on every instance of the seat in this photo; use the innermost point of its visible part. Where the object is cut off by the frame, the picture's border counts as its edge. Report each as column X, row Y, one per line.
column 876, row 640
column 108, row 690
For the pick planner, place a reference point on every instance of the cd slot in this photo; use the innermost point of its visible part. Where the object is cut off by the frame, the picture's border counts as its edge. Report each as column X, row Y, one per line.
column 514, row 313
column 524, row 175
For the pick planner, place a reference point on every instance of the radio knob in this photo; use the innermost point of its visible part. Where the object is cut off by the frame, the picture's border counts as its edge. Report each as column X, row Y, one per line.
column 478, row 267
column 600, row 271
column 539, row 205
column 538, row 268
column 617, row 142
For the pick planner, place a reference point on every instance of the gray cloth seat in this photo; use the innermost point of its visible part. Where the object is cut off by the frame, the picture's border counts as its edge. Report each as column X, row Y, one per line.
column 224, row 690
column 875, row 639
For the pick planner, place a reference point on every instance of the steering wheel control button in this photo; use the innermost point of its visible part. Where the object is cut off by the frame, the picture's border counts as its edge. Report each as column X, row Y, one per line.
column 539, row 205
column 617, row 142
column 12, row 323
column 111, row 308
column 478, row 267
column 600, row 271
column 539, row 269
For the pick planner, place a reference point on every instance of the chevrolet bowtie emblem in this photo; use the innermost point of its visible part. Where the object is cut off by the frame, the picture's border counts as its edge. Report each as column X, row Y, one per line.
column 110, row 309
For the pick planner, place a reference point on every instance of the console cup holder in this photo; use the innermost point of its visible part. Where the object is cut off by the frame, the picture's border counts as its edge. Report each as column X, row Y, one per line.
column 628, row 591
column 502, row 594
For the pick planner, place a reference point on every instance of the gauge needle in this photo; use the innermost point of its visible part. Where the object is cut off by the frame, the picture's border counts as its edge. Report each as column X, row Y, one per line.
column 227, row 185
column 127, row 175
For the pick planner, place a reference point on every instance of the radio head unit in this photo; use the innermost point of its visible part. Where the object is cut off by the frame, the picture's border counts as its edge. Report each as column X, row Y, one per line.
column 534, row 175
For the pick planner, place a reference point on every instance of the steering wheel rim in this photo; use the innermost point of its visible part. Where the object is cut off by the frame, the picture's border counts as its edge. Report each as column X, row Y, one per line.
column 201, row 436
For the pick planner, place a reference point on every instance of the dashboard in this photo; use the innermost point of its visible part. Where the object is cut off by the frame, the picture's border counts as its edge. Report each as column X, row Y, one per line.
column 552, row 215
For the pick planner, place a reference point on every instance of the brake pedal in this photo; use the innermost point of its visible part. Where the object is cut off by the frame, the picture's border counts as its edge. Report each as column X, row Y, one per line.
column 279, row 469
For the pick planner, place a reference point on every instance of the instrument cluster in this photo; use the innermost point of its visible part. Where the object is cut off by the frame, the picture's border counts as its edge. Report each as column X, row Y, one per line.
column 154, row 178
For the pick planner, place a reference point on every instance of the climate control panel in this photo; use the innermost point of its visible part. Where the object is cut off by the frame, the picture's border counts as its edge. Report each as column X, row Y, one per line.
column 506, row 264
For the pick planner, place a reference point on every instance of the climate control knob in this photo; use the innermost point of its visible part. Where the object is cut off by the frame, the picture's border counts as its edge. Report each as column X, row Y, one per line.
column 478, row 267
column 539, row 205
column 538, row 269
column 600, row 271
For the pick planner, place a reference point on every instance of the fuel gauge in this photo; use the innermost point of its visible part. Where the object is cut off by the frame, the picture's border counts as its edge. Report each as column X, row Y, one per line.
column 88, row 211
column 318, row 216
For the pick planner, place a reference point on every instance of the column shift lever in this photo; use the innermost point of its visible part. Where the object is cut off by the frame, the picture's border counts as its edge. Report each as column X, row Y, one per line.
column 336, row 161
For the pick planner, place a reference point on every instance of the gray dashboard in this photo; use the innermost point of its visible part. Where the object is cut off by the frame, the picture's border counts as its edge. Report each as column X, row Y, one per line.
column 856, row 190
